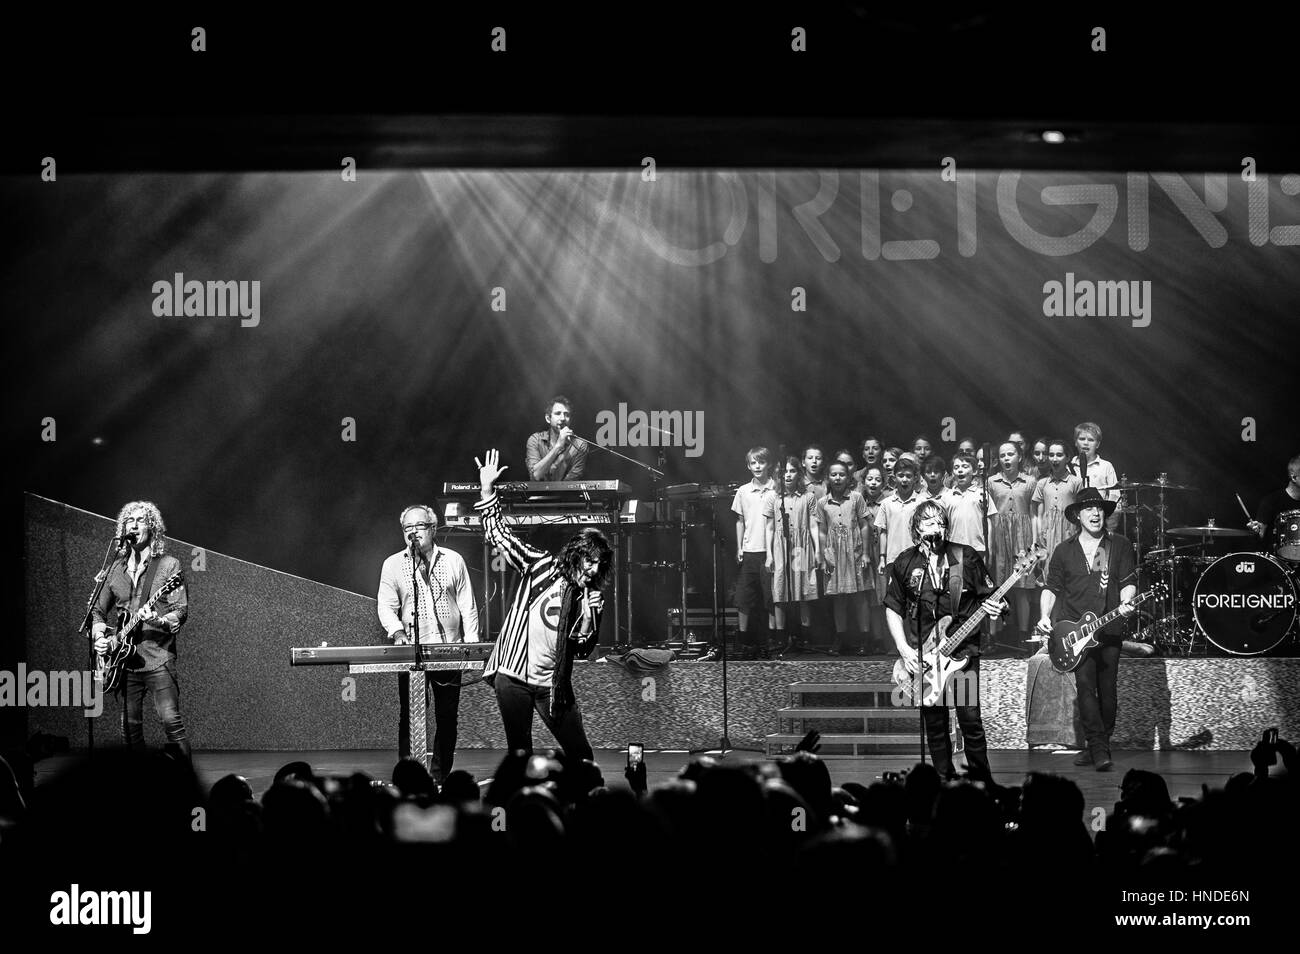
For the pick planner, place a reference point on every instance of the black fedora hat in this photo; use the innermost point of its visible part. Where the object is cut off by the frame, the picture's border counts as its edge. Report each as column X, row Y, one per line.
column 1088, row 497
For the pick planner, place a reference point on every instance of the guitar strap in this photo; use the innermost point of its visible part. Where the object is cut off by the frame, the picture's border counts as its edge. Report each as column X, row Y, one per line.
column 956, row 576
column 147, row 592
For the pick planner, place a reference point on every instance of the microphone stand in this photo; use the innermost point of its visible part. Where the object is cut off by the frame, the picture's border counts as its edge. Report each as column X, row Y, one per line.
column 986, row 454
column 791, row 644
column 719, row 574
column 417, row 668
column 654, row 471
column 87, row 621
column 616, row 529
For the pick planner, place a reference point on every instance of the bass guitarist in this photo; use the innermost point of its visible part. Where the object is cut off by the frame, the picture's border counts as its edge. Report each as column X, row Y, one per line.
column 1093, row 571
column 926, row 582
column 141, row 567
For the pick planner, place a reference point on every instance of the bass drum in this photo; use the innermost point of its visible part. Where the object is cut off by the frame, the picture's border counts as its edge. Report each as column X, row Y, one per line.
column 1244, row 603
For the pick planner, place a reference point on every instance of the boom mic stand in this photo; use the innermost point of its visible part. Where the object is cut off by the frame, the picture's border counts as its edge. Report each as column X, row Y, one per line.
column 616, row 529
column 87, row 621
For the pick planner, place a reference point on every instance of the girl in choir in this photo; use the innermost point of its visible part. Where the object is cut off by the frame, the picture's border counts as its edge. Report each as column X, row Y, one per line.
column 841, row 520
column 845, row 456
column 1011, row 529
column 1041, row 467
column 872, row 488
column 1052, row 495
column 1026, row 462
column 794, row 564
column 891, row 458
column 922, row 448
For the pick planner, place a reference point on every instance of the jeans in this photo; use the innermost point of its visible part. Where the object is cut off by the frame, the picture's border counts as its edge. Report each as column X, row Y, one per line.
column 445, row 684
column 1096, row 680
column 972, row 729
column 166, row 691
column 518, row 700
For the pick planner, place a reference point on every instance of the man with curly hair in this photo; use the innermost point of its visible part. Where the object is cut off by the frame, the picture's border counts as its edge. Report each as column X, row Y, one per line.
column 554, row 618
column 141, row 568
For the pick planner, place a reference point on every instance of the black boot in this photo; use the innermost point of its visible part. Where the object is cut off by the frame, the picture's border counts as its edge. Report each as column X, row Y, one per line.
column 1101, row 758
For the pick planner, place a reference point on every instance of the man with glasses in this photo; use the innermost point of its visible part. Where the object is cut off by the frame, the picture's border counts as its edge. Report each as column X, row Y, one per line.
column 447, row 615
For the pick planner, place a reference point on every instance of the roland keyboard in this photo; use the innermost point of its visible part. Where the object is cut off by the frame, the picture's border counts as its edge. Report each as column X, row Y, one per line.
column 541, row 488
column 389, row 658
column 631, row 512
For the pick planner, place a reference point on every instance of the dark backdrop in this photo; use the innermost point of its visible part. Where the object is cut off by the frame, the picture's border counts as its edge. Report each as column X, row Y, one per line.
column 376, row 304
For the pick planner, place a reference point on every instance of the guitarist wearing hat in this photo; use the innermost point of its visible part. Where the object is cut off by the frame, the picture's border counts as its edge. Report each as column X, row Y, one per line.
column 1093, row 571
column 141, row 568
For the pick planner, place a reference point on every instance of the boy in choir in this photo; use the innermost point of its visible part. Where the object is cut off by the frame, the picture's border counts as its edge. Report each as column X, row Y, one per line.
column 753, row 529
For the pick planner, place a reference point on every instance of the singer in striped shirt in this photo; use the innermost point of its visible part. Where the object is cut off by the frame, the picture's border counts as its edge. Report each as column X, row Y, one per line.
column 554, row 618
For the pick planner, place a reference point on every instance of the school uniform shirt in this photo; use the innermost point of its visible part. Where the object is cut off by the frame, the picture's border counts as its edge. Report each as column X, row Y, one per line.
column 965, row 522
column 749, row 504
column 895, row 518
column 1101, row 473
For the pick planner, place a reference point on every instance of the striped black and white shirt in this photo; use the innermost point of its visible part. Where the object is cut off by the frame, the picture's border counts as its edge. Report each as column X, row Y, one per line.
column 528, row 646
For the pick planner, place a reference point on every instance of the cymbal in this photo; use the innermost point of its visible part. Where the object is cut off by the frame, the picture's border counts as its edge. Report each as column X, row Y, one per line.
column 1154, row 485
column 1208, row 532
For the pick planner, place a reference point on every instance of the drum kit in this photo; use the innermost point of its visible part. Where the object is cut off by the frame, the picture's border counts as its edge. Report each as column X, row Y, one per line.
column 1243, row 602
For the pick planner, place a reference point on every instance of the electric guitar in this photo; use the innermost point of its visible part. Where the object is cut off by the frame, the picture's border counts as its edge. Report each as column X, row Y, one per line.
column 1070, row 639
column 935, row 655
column 109, row 666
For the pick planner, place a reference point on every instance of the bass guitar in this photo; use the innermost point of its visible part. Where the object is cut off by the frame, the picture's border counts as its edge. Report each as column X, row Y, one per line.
column 935, row 655
column 1070, row 639
column 110, row 665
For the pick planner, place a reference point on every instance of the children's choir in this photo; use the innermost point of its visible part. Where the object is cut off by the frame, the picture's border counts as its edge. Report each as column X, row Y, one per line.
column 818, row 528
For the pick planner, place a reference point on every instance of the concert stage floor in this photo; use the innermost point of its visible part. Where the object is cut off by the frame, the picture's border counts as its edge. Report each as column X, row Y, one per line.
column 1185, row 772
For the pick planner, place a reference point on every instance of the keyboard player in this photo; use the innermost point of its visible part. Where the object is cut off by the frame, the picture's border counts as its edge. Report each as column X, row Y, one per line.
column 555, row 453
column 447, row 615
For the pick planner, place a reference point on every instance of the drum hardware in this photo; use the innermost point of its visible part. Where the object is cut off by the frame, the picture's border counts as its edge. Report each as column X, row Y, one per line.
column 1209, row 530
column 1286, row 528
column 1154, row 555
column 1160, row 484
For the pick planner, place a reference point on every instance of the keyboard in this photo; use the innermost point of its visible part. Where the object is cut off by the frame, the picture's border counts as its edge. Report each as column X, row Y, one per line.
column 389, row 658
column 541, row 488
